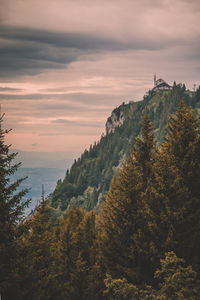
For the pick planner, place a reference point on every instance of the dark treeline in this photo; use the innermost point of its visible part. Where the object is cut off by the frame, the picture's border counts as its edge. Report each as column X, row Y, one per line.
column 144, row 243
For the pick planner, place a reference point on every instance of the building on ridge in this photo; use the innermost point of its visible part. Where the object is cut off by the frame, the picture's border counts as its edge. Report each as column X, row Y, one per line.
column 160, row 84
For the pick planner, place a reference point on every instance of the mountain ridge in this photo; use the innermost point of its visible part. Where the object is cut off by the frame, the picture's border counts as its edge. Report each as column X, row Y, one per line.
column 87, row 182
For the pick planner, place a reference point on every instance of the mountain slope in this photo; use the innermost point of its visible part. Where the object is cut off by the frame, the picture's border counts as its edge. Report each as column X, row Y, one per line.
column 87, row 182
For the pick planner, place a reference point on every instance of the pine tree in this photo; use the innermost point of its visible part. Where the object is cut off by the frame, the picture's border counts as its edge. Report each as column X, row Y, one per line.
column 37, row 260
column 176, row 280
column 74, row 256
column 124, row 239
column 120, row 289
column 11, row 213
column 176, row 185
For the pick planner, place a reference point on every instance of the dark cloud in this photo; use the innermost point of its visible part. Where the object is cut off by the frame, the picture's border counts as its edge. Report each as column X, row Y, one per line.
column 66, row 40
column 26, row 51
column 89, row 57
column 26, row 97
column 8, row 89
column 30, row 59
column 82, row 41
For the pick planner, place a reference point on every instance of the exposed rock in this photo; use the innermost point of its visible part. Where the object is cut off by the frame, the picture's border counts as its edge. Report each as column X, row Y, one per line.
column 115, row 120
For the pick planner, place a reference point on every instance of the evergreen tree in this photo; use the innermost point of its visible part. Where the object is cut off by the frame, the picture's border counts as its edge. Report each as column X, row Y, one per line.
column 176, row 187
column 120, row 289
column 176, row 280
column 11, row 212
column 37, row 260
column 96, row 166
column 124, row 239
column 74, row 256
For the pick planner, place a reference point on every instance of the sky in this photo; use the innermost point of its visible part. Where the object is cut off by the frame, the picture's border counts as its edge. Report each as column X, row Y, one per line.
column 66, row 64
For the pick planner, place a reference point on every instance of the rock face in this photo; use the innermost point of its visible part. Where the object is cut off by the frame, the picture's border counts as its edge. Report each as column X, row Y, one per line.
column 115, row 120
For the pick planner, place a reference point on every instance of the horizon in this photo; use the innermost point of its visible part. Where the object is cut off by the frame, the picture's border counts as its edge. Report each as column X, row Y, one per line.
column 48, row 160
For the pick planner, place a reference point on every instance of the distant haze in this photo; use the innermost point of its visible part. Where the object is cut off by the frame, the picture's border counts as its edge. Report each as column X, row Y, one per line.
column 59, row 160
column 64, row 65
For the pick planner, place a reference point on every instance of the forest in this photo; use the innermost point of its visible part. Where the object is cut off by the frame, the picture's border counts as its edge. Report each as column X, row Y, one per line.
column 144, row 242
column 87, row 183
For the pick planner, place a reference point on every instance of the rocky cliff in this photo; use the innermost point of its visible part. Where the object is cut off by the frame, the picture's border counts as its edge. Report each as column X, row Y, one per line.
column 115, row 120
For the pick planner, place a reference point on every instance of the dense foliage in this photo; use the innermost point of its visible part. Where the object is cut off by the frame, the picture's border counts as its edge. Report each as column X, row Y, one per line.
column 153, row 207
column 11, row 211
column 87, row 182
column 143, row 244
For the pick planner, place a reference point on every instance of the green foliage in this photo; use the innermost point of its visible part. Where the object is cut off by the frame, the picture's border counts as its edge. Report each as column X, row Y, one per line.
column 124, row 240
column 151, row 211
column 88, row 200
column 153, row 205
column 120, row 289
column 34, row 255
column 176, row 282
column 96, row 166
column 176, row 186
column 11, row 212
column 74, row 256
column 58, row 260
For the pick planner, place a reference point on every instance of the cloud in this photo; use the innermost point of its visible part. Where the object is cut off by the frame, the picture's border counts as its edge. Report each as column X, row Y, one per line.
column 74, row 40
column 75, row 61
column 9, row 89
column 31, row 44
column 77, row 123
column 30, row 51
column 74, row 100
column 81, row 40
column 27, row 58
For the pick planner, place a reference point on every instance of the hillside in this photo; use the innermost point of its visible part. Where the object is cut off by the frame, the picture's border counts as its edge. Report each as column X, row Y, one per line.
column 87, row 182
